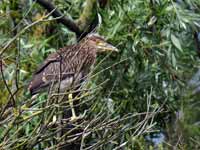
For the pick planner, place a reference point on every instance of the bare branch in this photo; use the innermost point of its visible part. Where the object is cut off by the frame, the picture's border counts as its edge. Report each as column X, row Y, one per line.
column 7, row 87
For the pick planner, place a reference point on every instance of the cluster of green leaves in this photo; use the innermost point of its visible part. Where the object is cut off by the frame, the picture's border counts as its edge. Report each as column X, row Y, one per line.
column 157, row 38
column 140, row 91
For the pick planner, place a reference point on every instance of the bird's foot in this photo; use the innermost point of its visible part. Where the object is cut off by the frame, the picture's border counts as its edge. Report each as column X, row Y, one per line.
column 75, row 118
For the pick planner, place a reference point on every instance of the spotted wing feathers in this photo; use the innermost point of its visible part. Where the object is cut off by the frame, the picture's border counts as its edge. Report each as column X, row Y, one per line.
column 48, row 73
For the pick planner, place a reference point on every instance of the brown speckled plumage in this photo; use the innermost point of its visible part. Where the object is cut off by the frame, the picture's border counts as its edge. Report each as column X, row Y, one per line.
column 70, row 65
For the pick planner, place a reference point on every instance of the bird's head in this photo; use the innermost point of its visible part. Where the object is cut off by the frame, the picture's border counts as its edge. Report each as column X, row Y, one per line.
column 99, row 43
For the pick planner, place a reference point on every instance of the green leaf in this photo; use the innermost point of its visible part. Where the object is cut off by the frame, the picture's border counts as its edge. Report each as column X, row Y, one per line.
column 173, row 60
column 176, row 42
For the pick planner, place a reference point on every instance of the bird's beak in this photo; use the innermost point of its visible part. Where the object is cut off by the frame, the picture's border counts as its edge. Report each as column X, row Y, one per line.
column 103, row 46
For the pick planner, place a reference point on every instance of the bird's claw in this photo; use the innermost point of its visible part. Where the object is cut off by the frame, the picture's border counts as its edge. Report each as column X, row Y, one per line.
column 74, row 118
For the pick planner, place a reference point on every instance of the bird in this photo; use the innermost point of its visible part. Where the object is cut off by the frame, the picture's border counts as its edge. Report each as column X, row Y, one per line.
column 69, row 66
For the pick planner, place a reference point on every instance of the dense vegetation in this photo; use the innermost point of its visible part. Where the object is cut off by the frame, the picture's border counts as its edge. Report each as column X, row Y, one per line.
column 144, row 97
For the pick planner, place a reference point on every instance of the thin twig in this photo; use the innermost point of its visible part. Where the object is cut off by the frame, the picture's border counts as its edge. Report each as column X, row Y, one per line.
column 23, row 30
column 8, row 89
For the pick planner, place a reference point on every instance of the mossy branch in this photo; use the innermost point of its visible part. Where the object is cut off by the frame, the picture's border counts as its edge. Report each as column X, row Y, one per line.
column 87, row 16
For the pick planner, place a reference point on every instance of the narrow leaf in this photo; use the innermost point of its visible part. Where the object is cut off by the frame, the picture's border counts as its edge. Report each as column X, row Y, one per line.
column 176, row 42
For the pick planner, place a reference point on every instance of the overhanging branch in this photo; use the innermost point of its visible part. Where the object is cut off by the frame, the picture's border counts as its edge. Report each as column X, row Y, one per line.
column 87, row 21
column 69, row 23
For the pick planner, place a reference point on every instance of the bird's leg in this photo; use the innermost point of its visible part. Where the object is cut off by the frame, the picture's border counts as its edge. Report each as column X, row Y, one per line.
column 74, row 117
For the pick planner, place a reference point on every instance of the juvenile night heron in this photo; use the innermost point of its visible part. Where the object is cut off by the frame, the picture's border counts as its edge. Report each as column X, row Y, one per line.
column 69, row 66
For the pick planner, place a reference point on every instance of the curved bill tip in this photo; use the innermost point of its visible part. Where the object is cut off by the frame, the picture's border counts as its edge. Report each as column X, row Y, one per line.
column 110, row 47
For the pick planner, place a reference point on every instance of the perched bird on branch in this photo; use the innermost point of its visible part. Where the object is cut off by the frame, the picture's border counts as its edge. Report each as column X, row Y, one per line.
column 67, row 68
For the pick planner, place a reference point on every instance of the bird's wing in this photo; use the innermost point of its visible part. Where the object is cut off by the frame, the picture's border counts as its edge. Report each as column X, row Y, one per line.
column 54, row 57
column 49, row 72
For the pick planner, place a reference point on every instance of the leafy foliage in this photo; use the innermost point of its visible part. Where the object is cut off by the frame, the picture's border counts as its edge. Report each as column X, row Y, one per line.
column 140, row 92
